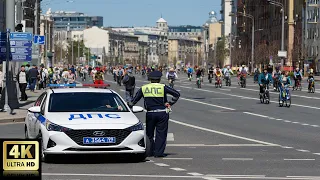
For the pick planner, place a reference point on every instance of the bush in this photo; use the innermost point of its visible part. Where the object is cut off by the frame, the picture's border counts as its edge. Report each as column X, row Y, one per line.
column 291, row 74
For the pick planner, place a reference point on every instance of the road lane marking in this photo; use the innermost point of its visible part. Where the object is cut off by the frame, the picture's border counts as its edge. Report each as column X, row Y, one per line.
column 218, row 145
column 177, row 158
column 178, row 169
column 195, row 174
column 287, row 147
column 161, row 164
column 170, row 137
column 311, row 107
column 237, row 159
column 307, row 97
column 299, row 159
column 222, row 133
column 120, row 175
column 222, row 175
column 222, row 107
column 253, row 114
column 305, row 124
column 314, row 125
column 287, row 121
column 302, row 150
column 317, row 154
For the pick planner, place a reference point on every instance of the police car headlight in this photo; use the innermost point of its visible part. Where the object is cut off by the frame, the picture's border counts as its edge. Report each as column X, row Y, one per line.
column 54, row 127
column 136, row 127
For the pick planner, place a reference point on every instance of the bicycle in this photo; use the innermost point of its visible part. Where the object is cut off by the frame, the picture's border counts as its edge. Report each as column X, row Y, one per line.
column 243, row 81
column 285, row 97
column 297, row 85
column 171, row 84
column 199, row 82
column 265, row 97
column 218, row 82
column 311, row 87
column 228, row 81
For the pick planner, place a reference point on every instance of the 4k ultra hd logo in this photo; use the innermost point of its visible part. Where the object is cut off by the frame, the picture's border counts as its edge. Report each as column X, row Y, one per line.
column 21, row 155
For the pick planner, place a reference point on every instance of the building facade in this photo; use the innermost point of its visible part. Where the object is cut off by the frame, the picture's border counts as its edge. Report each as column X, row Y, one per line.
column 227, row 25
column 75, row 21
column 268, row 31
column 193, row 32
column 155, row 37
column 183, row 51
column 47, row 50
column 312, row 34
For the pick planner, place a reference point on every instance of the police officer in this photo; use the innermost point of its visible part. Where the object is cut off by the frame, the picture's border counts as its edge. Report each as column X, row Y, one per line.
column 157, row 116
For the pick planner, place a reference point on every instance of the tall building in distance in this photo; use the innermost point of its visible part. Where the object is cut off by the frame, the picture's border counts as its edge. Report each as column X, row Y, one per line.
column 227, row 24
column 75, row 21
column 187, row 31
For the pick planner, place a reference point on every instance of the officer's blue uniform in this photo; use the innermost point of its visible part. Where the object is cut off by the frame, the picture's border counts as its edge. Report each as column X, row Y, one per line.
column 155, row 97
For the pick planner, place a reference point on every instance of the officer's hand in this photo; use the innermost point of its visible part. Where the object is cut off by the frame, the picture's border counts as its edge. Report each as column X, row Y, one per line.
column 167, row 105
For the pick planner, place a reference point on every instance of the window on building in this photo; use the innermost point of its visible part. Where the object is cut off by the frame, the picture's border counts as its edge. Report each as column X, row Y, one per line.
column 73, row 19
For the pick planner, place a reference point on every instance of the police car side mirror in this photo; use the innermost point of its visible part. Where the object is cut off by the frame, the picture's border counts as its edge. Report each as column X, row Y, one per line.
column 35, row 109
column 137, row 109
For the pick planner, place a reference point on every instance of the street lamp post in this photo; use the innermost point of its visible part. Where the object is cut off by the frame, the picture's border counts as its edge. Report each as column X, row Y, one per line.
column 282, row 28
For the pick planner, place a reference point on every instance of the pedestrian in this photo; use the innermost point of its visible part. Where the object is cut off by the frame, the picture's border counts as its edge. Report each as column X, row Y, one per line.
column 129, row 81
column 71, row 77
column 22, row 79
column 33, row 76
column 157, row 106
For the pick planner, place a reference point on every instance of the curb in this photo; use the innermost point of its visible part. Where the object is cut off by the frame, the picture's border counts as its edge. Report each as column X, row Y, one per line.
column 12, row 120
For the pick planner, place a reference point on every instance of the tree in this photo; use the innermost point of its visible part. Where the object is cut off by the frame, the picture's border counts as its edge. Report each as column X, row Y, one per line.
column 299, row 52
column 222, row 52
column 83, row 51
column 240, row 56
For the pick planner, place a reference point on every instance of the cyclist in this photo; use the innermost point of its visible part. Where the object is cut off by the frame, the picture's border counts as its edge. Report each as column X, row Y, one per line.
column 198, row 72
column 310, row 78
column 227, row 73
column 264, row 79
column 297, row 77
column 210, row 72
column 276, row 75
column 190, row 71
column 285, row 81
column 217, row 73
column 243, row 73
column 171, row 75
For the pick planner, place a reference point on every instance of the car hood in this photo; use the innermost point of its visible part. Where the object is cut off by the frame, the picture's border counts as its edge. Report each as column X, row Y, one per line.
column 90, row 118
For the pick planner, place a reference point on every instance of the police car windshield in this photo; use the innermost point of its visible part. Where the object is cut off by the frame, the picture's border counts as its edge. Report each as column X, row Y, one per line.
column 86, row 102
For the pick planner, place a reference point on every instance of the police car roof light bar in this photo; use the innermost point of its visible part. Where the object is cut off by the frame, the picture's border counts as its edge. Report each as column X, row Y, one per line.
column 78, row 85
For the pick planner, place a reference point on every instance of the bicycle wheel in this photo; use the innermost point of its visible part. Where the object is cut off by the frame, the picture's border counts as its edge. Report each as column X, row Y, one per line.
column 313, row 89
column 280, row 101
column 220, row 85
column 288, row 102
column 300, row 88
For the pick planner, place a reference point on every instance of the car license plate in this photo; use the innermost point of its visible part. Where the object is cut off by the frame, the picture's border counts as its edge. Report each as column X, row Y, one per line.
column 99, row 140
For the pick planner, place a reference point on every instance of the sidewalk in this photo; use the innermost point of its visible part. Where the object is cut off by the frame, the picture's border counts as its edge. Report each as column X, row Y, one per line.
column 19, row 115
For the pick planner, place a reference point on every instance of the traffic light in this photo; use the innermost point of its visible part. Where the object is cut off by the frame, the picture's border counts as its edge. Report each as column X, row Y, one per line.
column 19, row 28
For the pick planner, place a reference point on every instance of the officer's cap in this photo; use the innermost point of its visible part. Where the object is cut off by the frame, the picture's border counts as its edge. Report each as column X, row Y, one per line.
column 155, row 75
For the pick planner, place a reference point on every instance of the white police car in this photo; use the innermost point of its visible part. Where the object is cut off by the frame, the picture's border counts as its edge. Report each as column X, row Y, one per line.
column 85, row 121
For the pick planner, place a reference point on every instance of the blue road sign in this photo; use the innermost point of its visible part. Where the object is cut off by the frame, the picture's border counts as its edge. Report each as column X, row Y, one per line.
column 21, row 46
column 39, row 40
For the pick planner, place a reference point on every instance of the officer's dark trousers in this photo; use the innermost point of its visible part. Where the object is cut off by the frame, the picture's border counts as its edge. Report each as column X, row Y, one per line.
column 158, row 121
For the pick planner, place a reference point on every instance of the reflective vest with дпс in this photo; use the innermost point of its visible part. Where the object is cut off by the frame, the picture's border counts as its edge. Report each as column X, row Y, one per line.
column 154, row 90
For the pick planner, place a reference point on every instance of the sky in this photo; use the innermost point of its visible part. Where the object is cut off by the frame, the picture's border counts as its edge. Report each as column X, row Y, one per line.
column 140, row 12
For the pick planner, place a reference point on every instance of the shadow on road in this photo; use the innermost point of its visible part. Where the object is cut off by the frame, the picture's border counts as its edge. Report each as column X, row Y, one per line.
column 95, row 159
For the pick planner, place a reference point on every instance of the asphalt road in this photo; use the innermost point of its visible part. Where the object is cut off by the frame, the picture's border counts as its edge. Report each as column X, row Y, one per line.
column 215, row 134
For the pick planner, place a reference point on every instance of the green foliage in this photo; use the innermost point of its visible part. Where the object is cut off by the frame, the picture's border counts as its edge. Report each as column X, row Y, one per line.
column 77, row 46
column 222, row 52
